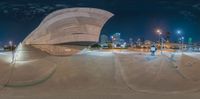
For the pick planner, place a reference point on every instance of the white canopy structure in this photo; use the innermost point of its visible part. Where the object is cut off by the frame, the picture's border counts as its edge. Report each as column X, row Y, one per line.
column 70, row 25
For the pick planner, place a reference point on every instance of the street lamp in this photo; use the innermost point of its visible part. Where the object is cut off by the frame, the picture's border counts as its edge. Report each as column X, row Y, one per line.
column 159, row 32
column 160, row 39
column 182, row 42
column 181, row 38
column 12, row 50
column 179, row 32
column 10, row 43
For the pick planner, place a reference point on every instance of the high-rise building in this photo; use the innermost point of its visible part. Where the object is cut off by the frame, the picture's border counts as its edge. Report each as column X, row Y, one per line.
column 116, row 38
column 139, row 42
column 104, row 39
column 117, row 42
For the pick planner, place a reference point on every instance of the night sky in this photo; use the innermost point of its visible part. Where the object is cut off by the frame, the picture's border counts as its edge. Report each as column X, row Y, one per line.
column 133, row 18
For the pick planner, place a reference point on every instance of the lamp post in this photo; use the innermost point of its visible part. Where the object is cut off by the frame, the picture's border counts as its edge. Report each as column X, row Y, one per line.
column 182, row 42
column 181, row 38
column 160, row 40
column 159, row 33
column 11, row 46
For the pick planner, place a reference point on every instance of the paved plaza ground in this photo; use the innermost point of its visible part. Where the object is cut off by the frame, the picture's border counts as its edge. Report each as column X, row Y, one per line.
column 99, row 74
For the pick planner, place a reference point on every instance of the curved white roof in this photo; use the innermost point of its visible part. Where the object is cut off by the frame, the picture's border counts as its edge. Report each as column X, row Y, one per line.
column 70, row 25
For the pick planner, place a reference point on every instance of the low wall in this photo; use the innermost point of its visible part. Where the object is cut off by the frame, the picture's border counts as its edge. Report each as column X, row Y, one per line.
column 60, row 50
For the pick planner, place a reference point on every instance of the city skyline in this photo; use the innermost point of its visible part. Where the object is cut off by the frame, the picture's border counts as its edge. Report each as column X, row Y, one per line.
column 135, row 19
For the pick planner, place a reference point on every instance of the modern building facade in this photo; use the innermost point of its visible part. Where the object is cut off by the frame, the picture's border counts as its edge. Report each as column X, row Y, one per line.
column 67, row 31
column 70, row 25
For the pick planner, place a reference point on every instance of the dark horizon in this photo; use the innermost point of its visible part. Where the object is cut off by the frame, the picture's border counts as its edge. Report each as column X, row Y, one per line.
column 135, row 19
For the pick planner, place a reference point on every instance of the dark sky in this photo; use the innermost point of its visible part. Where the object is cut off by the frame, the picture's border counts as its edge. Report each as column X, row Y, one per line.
column 133, row 18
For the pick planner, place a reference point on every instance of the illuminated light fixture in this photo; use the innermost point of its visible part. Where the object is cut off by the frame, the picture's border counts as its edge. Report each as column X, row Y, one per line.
column 10, row 43
column 182, row 38
column 179, row 32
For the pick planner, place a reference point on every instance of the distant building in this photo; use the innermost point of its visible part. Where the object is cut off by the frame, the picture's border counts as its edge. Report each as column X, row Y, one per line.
column 138, row 42
column 116, row 38
column 131, row 42
column 117, row 42
column 147, row 44
column 104, row 39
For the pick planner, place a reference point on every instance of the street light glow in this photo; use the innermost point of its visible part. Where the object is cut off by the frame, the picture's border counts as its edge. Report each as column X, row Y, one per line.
column 161, row 40
column 182, row 38
column 179, row 32
column 10, row 43
column 159, row 31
